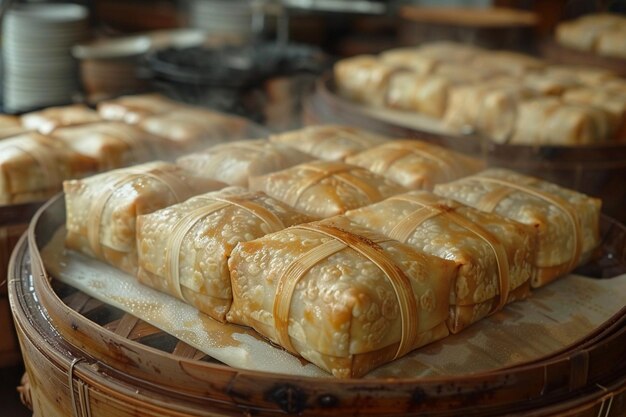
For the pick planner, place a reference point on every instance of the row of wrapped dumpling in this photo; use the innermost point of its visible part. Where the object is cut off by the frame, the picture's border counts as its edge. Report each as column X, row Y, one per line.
column 506, row 96
column 41, row 149
column 337, row 250
column 601, row 33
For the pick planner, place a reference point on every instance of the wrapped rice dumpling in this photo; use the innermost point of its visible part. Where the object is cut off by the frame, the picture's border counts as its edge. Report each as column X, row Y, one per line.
column 102, row 210
column 346, row 300
column 566, row 221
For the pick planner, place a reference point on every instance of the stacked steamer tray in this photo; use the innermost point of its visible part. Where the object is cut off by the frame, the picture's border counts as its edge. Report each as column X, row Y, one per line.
column 85, row 357
column 596, row 168
column 89, row 144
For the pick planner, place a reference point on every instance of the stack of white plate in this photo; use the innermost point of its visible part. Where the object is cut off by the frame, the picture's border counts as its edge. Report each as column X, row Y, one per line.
column 221, row 17
column 39, row 69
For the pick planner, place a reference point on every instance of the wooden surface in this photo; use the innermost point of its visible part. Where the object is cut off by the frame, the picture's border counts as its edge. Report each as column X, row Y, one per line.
column 494, row 28
column 9, row 397
column 137, row 15
column 13, row 223
column 9, row 348
column 469, row 16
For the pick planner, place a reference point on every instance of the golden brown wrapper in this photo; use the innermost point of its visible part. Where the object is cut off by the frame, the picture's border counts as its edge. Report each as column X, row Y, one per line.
column 329, row 142
column 346, row 300
column 613, row 42
column 324, row 188
column 415, row 164
column 549, row 121
column 409, row 58
column 10, row 126
column 183, row 249
column 48, row 120
column 235, row 162
column 494, row 255
column 33, row 167
column 102, row 210
column 566, row 221
column 134, row 108
column 190, row 129
column 489, row 107
column 584, row 33
column 112, row 144
column 364, row 79
column 426, row 94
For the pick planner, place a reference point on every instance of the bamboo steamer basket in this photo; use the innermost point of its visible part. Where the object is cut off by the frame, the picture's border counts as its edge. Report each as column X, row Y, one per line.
column 84, row 358
column 13, row 222
column 597, row 170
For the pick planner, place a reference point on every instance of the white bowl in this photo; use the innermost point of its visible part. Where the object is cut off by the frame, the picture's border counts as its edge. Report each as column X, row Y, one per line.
column 177, row 38
column 125, row 47
column 52, row 14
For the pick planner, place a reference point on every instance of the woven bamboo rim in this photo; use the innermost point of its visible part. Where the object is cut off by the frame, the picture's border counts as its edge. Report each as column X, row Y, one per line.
column 114, row 355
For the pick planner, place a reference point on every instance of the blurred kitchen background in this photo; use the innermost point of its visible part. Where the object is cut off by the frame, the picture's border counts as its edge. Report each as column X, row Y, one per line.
column 257, row 58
